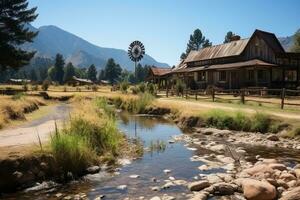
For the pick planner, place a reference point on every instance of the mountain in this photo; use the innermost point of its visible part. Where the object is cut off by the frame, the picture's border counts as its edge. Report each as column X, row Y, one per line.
column 287, row 42
column 52, row 40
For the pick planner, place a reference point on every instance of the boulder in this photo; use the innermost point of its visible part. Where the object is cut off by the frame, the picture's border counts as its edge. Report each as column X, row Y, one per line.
column 224, row 188
column 259, row 168
column 258, row 190
column 155, row 198
column 218, row 148
column 200, row 196
column 287, row 177
column 273, row 137
column 297, row 172
column 291, row 195
column 212, row 179
column 278, row 166
column 198, row 185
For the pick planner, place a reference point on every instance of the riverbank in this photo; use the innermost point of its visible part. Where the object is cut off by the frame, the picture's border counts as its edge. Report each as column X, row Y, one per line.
column 88, row 140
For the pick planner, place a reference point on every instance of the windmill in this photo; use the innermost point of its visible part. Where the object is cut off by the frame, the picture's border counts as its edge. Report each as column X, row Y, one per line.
column 136, row 52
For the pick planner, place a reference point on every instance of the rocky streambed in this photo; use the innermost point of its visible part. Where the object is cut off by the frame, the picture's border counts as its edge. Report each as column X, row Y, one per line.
column 201, row 164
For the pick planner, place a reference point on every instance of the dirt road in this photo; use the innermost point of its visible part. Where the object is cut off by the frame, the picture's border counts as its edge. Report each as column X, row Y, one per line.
column 27, row 133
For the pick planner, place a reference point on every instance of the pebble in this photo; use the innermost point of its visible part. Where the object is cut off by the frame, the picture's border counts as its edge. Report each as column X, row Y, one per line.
column 167, row 171
column 134, row 176
column 122, row 187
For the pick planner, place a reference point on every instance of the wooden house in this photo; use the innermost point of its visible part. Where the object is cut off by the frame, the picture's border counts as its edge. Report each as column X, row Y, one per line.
column 258, row 61
column 79, row 81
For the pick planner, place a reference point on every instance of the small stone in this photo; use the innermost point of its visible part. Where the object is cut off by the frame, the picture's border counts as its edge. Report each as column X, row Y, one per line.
column 167, row 171
column 122, row 187
column 134, row 176
column 198, row 185
column 203, row 168
column 93, row 169
column 67, row 197
column 273, row 137
column 171, row 141
column 155, row 198
column 172, row 178
column 99, row 197
column 156, row 188
column 58, row 195
column 167, row 185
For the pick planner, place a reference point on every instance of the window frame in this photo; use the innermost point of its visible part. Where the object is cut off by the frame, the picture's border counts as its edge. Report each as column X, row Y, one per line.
column 220, row 76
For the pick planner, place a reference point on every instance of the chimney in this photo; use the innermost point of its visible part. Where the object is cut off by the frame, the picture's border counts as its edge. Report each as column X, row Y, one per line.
column 235, row 38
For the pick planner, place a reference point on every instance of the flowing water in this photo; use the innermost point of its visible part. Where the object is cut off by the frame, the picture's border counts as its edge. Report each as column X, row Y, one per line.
column 118, row 185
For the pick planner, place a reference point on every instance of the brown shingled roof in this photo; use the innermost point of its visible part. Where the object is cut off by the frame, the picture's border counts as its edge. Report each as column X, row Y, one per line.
column 160, row 71
column 233, row 48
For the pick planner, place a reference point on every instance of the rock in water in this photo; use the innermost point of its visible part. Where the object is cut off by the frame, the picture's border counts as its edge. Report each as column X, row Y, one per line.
column 293, row 194
column 198, row 185
column 258, row 190
column 273, row 137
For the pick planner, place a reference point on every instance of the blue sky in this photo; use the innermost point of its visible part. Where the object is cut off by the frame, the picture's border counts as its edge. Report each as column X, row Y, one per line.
column 164, row 26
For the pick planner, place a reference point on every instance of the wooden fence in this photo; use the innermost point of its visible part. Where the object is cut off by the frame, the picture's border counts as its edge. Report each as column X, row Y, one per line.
column 281, row 94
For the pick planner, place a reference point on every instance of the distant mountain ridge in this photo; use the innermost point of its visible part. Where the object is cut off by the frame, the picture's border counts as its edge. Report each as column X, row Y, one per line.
column 52, row 40
column 287, row 42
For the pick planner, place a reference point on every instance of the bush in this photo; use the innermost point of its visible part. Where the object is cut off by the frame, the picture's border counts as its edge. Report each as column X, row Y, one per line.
column 142, row 87
column 124, row 86
column 78, row 89
column 94, row 87
column 45, row 85
column 134, row 90
column 34, row 87
column 180, row 87
column 25, row 86
column 151, row 88
column 65, row 88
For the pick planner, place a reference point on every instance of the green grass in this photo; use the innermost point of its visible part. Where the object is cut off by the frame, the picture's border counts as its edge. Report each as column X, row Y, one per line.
column 87, row 137
column 239, row 121
column 18, row 96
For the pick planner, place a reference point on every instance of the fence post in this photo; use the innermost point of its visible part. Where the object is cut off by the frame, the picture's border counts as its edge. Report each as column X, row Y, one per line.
column 167, row 91
column 282, row 97
column 213, row 94
column 196, row 95
column 242, row 91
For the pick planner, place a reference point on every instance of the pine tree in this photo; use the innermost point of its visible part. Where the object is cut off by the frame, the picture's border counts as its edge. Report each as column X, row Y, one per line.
column 69, row 72
column 196, row 42
column 14, row 17
column 101, row 75
column 59, row 68
column 112, row 71
column 228, row 37
column 92, row 73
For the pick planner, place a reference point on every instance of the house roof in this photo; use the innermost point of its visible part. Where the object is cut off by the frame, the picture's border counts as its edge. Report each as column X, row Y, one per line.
column 82, row 80
column 20, row 80
column 160, row 71
column 248, row 63
column 233, row 48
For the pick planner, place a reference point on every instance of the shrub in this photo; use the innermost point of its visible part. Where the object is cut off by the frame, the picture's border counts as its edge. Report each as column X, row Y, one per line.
column 134, row 90
column 34, row 87
column 65, row 88
column 180, row 87
column 151, row 88
column 142, row 87
column 94, row 87
column 25, row 86
column 124, row 86
column 78, row 89
column 45, row 85
column 140, row 104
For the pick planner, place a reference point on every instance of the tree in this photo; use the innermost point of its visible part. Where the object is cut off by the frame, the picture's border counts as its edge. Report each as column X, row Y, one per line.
column 33, row 75
column 124, row 75
column 92, row 73
column 69, row 72
column 14, row 17
column 296, row 46
column 51, row 73
column 197, row 41
column 101, row 75
column 59, row 68
column 112, row 71
column 228, row 37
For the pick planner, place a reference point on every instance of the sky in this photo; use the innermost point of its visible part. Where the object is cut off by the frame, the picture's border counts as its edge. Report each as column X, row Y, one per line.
column 164, row 26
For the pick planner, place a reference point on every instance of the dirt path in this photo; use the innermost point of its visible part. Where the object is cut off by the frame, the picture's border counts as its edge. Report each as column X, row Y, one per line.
column 198, row 106
column 27, row 133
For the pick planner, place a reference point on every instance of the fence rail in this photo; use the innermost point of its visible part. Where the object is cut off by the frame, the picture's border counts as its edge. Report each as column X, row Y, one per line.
column 280, row 94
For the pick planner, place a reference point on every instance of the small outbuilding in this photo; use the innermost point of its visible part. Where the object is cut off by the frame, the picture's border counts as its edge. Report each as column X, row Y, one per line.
column 80, row 81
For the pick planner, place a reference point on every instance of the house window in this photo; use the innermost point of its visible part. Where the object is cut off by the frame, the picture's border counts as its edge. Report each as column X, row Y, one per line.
column 262, row 75
column 250, row 75
column 222, row 76
column 201, row 76
column 290, row 75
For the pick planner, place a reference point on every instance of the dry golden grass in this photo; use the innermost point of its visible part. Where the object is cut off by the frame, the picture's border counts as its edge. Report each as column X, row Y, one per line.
column 14, row 109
